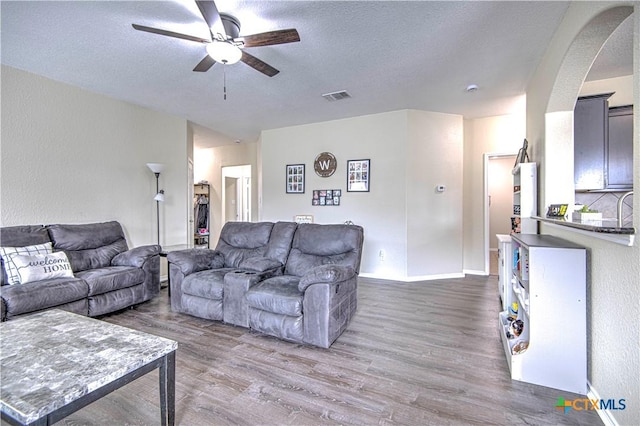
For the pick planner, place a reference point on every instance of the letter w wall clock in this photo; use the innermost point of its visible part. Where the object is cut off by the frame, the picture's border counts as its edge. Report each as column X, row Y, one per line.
column 325, row 164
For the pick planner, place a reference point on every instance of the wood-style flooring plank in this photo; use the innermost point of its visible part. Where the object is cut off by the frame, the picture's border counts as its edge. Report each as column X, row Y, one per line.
column 423, row 353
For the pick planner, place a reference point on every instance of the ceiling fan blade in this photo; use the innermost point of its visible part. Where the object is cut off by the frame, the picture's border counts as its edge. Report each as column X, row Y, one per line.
column 212, row 17
column 170, row 33
column 270, row 38
column 258, row 65
column 204, row 65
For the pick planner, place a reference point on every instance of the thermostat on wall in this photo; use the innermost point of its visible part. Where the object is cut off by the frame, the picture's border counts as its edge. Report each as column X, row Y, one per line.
column 440, row 188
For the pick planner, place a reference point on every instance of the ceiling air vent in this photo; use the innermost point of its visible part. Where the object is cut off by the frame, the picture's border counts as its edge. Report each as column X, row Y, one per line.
column 336, row 96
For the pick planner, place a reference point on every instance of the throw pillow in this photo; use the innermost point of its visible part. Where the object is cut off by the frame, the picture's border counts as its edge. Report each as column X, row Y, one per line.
column 42, row 267
column 8, row 252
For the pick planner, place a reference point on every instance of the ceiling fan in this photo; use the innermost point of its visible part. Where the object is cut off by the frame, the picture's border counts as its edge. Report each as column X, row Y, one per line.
column 226, row 45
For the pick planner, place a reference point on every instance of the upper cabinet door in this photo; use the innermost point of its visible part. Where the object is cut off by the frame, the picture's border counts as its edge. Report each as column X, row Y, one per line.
column 620, row 148
column 590, row 131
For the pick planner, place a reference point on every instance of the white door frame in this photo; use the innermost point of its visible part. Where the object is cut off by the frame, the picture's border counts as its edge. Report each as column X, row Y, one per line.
column 486, row 158
column 240, row 173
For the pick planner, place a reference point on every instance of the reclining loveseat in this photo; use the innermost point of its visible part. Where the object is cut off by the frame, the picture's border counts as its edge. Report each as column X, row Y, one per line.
column 101, row 276
column 294, row 282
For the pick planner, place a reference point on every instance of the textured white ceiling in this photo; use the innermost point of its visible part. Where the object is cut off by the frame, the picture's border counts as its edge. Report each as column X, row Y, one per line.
column 388, row 55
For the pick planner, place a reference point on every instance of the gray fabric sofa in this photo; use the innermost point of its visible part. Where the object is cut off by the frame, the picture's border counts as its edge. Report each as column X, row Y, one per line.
column 304, row 291
column 197, row 275
column 107, row 276
column 316, row 297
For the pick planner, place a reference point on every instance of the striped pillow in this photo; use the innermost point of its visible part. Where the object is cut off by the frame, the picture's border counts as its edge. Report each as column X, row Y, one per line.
column 7, row 254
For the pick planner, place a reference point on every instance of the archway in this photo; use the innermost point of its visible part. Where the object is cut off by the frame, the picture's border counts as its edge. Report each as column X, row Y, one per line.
column 558, row 171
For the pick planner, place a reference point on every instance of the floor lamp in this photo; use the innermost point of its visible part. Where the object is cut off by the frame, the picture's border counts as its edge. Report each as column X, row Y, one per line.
column 157, row 168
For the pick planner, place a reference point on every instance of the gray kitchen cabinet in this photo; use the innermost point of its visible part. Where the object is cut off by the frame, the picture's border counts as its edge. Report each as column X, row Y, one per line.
column 620, row 148
column 590, row 131
column 603, row 145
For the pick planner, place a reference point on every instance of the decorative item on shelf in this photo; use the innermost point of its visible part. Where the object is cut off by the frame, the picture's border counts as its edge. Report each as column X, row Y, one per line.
column 325, row 164
column 516, row 209
column 513, row 310
column 157, row 168
column 519, row 347
column 557, row 210
column 517, row 327
column 522, row 156
column 295, row 178
column 515, row 225
column 303, row 218
column 586, row 215
column 516, row 188
column 358, row 174
column 326, row 197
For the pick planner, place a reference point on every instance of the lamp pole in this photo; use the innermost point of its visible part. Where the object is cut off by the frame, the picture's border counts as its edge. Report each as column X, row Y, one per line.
column 158, row 206
column 157, row 168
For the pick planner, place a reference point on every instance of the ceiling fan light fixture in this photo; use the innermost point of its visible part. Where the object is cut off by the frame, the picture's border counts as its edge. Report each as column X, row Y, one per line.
column 224, row 52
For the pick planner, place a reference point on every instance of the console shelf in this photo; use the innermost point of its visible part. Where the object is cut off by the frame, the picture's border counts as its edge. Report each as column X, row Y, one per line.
column 548, row 283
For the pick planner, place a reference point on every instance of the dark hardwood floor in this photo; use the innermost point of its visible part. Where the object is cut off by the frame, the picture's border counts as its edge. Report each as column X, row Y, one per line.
column 424, row 353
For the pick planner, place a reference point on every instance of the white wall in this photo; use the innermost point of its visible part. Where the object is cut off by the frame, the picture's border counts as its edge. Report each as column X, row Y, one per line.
column 208, row 163
column 434, row 157
column 410, row 151
column 503, row 135
column 621, row 86
column 613, row 270
column 71, row 156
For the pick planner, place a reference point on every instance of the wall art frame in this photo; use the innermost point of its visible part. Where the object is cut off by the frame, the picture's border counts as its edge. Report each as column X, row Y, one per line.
column 294, row 178
column 326, row 197
column 358, row 175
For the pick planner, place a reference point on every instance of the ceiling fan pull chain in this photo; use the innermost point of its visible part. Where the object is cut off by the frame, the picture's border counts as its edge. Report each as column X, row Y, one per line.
column 224, row 79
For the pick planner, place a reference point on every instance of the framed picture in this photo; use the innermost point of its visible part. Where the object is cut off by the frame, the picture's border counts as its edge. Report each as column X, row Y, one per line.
column 295, row 178
column 326, row 197
column 358, row 173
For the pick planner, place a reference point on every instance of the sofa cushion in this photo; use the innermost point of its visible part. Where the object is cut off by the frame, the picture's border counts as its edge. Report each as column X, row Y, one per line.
column 30, row 297
column 314, row 245
column 89, row 246
column 112, row 301
column 280, row 241
column 242, row 240
column 10, row 267
column 207, row 284
column 279, row 295
column 42, row 266
column 282, row 326
column 103, row 280
column 24, row 235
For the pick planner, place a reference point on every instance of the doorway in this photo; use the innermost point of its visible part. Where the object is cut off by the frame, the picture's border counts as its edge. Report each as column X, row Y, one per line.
column 498, row 196
column 236, row 194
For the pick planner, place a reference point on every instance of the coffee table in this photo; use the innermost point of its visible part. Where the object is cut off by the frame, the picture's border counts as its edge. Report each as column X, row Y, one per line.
column 54, row 363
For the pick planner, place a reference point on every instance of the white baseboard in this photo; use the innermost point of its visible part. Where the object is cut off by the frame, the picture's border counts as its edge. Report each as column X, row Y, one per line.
column 412, row 279
column 605, row 415
column 475, row 272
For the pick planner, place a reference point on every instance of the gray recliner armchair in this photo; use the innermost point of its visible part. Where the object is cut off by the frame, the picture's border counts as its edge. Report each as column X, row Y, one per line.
column 197, row 276
column 316, row 297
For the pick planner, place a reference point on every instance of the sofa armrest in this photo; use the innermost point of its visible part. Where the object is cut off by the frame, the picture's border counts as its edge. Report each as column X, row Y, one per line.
column 196, row 260
column 260, row 264
column 326, row 274
column 136, row 256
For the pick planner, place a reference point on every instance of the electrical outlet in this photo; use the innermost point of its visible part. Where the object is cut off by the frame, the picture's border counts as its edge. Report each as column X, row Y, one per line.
column 381, row 255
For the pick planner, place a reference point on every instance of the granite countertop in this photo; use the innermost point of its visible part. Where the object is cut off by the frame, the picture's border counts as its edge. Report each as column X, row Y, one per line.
column 606, row 226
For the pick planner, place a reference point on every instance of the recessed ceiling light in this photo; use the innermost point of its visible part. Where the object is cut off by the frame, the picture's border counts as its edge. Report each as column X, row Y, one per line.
column 472, row 88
